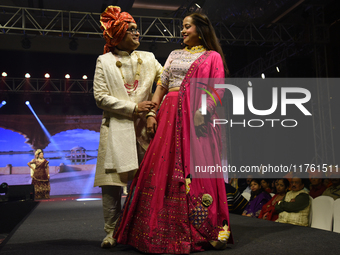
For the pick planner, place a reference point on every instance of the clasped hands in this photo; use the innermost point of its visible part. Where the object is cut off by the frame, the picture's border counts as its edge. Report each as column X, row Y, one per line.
column 199, row 122
column 145, row 106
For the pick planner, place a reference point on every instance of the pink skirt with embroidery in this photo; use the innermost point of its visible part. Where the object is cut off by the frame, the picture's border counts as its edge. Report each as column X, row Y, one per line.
column 158, row 215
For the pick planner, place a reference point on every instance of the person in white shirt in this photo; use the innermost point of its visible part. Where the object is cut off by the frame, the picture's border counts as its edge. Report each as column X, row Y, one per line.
column 123, row 89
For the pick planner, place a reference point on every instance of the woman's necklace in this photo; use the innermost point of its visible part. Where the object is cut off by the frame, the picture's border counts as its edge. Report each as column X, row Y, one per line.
column 130, row 88
column 278, row 198
column 195, row 49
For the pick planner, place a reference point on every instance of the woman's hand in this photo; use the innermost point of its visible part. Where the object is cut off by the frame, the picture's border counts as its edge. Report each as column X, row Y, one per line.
column 265, row 216
column 146, row 106
column 200, row 125
column 151, row 126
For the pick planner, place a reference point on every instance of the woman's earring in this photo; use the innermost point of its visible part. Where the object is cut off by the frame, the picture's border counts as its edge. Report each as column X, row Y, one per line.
column 199, row 37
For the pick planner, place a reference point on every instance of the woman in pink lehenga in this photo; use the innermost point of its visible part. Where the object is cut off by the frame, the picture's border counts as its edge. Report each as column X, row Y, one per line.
column 169, row 209
column 40, row 175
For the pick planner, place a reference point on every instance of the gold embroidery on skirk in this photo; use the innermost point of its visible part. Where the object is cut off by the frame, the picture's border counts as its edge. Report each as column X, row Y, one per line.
column 199, row 218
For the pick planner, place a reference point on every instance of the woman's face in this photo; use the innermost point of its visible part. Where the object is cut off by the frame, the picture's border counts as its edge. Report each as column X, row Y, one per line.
column 280, row 187
column 189, row 33
column 41, row 155
column 254, row 186
column 264, row 184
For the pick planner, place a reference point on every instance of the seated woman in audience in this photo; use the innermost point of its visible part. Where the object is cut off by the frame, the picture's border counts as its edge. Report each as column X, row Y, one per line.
column 273, row 186
column 257, row 199
column 266, row 183
column 268, row 210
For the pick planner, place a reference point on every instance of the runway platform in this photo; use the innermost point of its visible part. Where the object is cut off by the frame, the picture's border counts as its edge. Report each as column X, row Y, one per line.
column 63, row 225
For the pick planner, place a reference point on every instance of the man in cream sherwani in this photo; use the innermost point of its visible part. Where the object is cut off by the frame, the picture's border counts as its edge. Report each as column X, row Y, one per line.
column 122, row 88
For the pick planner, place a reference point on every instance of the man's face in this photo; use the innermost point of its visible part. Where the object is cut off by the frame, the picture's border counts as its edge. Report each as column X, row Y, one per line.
column 297, row 184
column 315, row 181
column 130, row 41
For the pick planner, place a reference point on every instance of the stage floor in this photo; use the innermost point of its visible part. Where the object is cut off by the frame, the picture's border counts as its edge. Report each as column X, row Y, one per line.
column 63, row 225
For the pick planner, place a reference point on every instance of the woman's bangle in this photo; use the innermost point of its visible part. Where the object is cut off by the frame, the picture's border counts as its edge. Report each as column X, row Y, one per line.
column 150, row 114
column 147, row 116
column 152, row 110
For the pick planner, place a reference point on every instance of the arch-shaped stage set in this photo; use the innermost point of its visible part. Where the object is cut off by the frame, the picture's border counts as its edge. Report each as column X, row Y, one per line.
column 29, row 127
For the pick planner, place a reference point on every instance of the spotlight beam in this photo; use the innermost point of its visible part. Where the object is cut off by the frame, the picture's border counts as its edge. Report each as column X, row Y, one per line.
column 43, row 127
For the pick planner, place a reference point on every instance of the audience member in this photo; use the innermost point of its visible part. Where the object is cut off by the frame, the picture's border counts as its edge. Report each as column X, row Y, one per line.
column 334, row 190
column 265, row 183
column 268, row 210
column 273, row 185
column 236, row 202
column 294, row 208
column 244, row 185
column 317, row 187
column 257, row 199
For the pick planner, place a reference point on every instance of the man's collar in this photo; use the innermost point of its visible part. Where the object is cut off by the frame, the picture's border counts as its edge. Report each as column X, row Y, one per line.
column 121, row 52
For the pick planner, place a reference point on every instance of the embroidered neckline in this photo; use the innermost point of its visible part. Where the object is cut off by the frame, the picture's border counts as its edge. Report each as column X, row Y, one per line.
column 195, row 49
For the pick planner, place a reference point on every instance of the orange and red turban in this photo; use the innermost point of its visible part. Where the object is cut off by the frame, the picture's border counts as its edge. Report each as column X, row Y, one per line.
column 114, row 23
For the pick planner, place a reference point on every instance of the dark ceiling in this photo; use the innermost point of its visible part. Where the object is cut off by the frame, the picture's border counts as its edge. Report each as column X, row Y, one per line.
column 256, row 11
column 232, row 10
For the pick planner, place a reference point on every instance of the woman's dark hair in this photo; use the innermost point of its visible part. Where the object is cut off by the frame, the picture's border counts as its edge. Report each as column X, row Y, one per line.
column 254, row 194
column 267, row 181
column 37, row 155
column 285, row 182
column 208, row 36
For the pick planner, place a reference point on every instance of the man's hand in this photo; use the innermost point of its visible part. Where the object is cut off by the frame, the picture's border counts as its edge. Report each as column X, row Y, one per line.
column 146, row 106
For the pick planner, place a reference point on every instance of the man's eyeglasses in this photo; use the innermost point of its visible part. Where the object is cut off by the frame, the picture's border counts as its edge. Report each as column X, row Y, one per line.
column 133, row 31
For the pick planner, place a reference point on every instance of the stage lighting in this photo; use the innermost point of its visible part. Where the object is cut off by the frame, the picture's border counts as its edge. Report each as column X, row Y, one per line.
column 197, row 5
column 47, row 75
column 4, row 74
column 263, row 76
column 277, row 69
column 67, row 76
column 87, row 199
column 27, row 75
column 84, row 77
column 3, row 102
column 250, row 84
column 27, row 102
